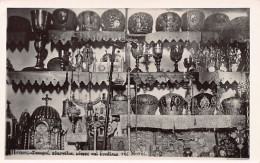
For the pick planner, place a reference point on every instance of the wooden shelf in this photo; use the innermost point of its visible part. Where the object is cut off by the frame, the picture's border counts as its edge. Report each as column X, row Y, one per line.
column 184, row 121
column 98, row 77
column 61, row 76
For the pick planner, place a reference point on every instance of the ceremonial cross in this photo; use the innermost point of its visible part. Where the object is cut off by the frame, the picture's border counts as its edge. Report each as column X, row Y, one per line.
column 46, row 99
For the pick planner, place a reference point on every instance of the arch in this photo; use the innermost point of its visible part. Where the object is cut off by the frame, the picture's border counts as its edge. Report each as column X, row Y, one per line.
column 40, row 122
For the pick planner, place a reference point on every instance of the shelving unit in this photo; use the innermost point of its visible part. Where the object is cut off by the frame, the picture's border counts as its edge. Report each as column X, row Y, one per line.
column 131, row 121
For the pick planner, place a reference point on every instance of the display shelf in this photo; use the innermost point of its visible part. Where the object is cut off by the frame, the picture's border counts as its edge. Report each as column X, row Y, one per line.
column 98, row 77
column 176, row 36
column 150, row 77
column 62, row 76
column 183, row 121
column 66, row 36
column 202, row 77
column 198, row 37
column 136, row 35
column 222, row 77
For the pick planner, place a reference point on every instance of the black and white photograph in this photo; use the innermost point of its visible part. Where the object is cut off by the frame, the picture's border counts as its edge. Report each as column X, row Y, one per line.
column 129, row 82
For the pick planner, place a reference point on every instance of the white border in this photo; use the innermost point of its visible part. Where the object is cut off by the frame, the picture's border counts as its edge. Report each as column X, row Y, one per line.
column 254, row 6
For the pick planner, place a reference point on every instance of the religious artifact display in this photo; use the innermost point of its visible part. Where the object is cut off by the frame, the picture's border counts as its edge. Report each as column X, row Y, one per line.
column 140, row 23
column 227, row 147
column 106, row 101
column 60, row 63
column 89, row 21
column 172, row 104
column 193, row 20
column 45, row 128
column 87, row 58
column 64, row 19
column 234, row 58
column 169, row 21
column 144, row 104
column 176, row 55
column 41, row 20
column 113, row 20
column 23, row 127
column 104, row 64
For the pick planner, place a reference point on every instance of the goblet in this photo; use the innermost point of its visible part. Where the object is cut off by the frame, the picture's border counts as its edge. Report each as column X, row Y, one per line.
column 40, row 22
column 176, row 55
column 188, row 62
column 137, row 53
column 157, row 54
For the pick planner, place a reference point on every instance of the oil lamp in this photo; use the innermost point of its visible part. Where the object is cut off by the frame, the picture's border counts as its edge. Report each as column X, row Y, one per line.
column 176, row 55
column 157, row 54
column 41, row 20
